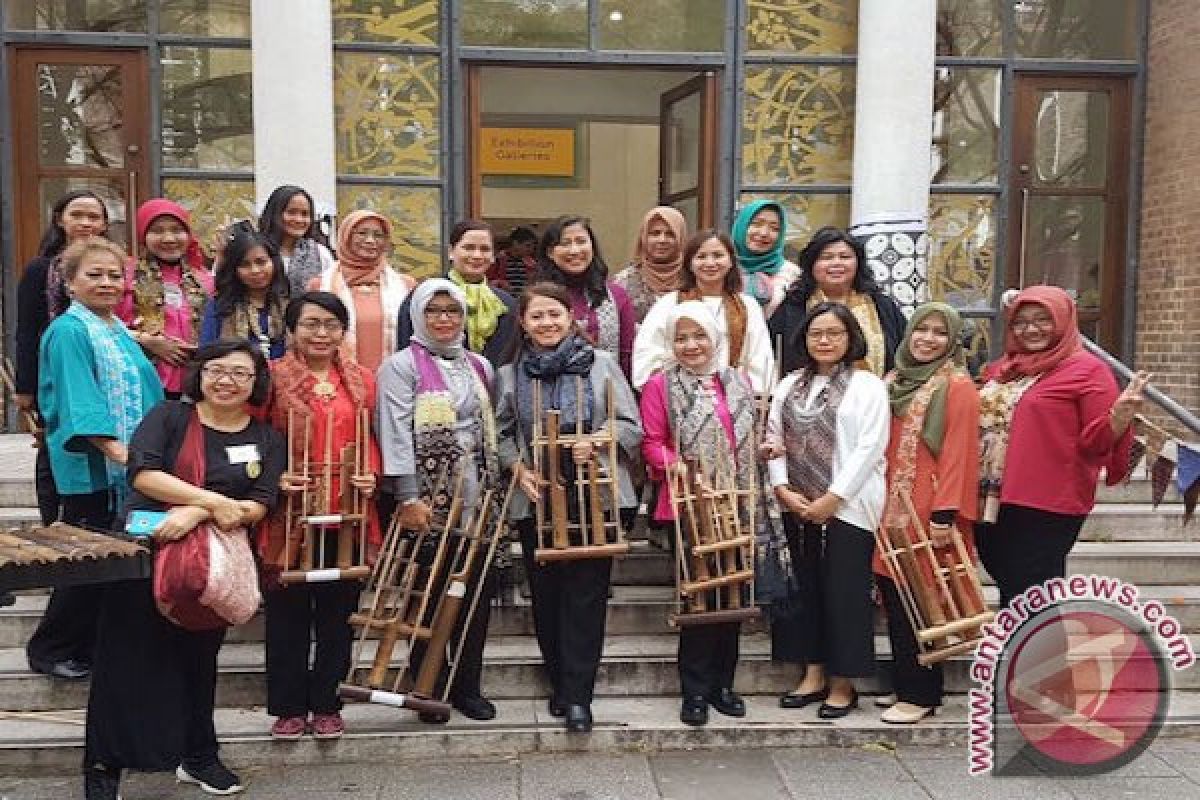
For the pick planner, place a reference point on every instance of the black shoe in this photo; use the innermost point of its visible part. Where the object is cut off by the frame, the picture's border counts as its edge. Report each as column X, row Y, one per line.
column 213, row 779
column 433, row 717
column 793, row 700
column 474, row 707
column 69, row 670
column 827, row 711
column 579, row 719
column 694, row 711
column 555, row 706
column 101, row 784
column 728, row 703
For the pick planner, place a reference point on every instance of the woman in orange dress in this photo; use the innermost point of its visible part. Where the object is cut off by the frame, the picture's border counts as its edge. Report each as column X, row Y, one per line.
column 932, row 456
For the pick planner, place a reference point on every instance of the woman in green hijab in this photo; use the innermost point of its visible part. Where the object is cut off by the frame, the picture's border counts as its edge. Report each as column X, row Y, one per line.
column 933, row 457
column 759, row 234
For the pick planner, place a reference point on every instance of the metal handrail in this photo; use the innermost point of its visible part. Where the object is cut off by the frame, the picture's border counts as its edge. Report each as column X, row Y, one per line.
column 1181, row 414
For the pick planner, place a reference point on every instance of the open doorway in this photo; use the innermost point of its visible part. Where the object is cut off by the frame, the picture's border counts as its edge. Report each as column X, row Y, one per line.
column 605, row 143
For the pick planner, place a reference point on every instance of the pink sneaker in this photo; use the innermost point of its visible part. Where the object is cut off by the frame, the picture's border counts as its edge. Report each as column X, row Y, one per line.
column 328, row 726
column 288, row 728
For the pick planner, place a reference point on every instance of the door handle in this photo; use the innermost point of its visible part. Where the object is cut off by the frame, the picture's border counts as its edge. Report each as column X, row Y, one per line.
column 1024, row 237
column 131, row 205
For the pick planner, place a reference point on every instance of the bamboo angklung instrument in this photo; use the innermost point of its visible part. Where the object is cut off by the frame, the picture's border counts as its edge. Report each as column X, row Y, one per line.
column 596, row 530
column 319, row 514
column 939, row 587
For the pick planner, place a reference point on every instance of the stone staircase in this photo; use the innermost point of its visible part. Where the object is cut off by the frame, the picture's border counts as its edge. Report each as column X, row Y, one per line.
column 637, row 704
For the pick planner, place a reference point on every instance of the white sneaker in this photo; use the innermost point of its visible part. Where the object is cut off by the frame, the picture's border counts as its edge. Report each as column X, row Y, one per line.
column 906, row 714
column 886, row 700
column 213, row 779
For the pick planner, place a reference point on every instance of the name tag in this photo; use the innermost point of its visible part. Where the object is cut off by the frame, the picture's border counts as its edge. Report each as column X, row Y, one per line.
column 172, row 296
column 243, row 454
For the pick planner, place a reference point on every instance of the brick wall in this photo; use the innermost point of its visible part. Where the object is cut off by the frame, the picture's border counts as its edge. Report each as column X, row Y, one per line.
column 1168, row 279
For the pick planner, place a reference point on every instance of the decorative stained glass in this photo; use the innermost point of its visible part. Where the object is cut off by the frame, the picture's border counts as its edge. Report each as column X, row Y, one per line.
column 962, row 249
column 966, row 125
column 812, row 27
column 205, row 17
column 213, row 205
column 798, row 126
column 207, row 108
column 807, row 213
column 391, row 21
column 386, row 106
column 415, row 213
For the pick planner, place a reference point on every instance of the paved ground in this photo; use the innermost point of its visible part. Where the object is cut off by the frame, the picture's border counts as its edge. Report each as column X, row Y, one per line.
column 1171, row 768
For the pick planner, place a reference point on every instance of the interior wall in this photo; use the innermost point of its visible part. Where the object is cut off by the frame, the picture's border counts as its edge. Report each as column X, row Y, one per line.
column 617, row 111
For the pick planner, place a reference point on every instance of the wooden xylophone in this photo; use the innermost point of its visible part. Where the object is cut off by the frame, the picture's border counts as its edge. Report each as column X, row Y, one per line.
column 63, row 555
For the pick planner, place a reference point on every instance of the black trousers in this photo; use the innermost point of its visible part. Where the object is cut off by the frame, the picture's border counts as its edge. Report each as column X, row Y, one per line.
column 48, row 500
column 833, row 623
column 708, row 656
column 68, row 628
column 921, row 686
column 468, row 675
column 1026, row 546
column 298, row 616
column 570, row 603
column 153, row 687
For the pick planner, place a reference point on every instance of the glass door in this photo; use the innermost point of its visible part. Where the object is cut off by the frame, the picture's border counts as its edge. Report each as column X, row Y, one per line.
column 80, row 121
column 688, row 149
column 1070, row 194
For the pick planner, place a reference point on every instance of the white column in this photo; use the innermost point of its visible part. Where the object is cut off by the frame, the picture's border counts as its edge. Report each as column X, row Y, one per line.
column 293, row 100
column 893, row 122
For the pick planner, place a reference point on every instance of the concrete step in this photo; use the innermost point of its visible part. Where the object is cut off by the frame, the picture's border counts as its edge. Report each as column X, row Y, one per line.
column 53, row 743
column 632, row 666
column 1138, row 522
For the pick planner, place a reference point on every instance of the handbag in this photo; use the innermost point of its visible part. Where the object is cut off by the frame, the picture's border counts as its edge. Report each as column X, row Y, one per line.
column 207, row 579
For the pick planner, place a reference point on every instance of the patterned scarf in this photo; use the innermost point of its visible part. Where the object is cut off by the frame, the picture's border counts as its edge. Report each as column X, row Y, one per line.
column 691, row 403
column 436, row 445
column 484, row 309
column 604, row 319
column 57, row 299
column 118, row 376
column 735, row 321
column 810, row 431
column 304, row 265
column 243, row 322
column 911, row 376
column 864, row 311
column 149, row 297
column 997, row 403
column 393, row 290
column 573, row 356
column 916, row 415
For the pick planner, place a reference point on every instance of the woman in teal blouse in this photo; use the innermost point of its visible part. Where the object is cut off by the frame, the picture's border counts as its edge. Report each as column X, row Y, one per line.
column 94, row 387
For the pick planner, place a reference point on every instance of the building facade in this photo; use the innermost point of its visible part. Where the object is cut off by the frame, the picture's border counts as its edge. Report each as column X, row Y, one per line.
column 975, row 145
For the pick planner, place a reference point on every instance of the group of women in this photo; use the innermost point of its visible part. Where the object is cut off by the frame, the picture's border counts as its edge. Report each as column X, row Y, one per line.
column 163, row 389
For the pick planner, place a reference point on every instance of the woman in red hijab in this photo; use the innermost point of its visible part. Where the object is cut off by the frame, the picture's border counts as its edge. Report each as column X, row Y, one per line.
column 1051, row 417
column 166, row 290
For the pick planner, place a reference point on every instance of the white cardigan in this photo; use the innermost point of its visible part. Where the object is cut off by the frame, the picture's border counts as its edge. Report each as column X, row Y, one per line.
column 651, row 347
column 863, row 423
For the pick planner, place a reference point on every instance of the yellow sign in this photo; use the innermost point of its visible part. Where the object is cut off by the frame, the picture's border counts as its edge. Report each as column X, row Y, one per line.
column 527, row 151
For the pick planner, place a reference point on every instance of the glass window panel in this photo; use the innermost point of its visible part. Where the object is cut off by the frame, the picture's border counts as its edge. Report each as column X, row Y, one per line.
column 977, row 343
column 213, row 205
column 392, row 21
column 799, row 124
column 812, row 27
column 806, row 214
column 207, row 111
column 111, row 191
column 226, row 18
column 969, row 28
column 77, row 15
column 416, row 216
column 80, row 115
column 387, row 108
column 525, row 23
column 675, row 25
column 962, row 249
column 683, row 143
column 966, row 125
column 1064, row 245
column 1076, row 28
column 1071, row 139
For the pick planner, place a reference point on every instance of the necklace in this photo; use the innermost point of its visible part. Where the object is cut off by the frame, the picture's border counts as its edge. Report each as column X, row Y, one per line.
column 323, row 388
column 264, row 339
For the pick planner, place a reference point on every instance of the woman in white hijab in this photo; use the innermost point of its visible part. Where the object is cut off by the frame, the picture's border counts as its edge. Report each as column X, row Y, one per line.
column 435, row 423
column 698, row 415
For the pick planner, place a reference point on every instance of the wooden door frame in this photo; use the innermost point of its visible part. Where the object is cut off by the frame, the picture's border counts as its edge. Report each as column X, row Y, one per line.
column 710, row 131
column 1109, row 325
column 707, row 86
column 135, row 172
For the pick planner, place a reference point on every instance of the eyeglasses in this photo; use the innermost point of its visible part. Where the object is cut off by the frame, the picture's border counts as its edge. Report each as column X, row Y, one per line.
column 314, row 325
column 1041, row 323
column 448, row 312
column 238, row 375
column 369, row 233
column 832, row 336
